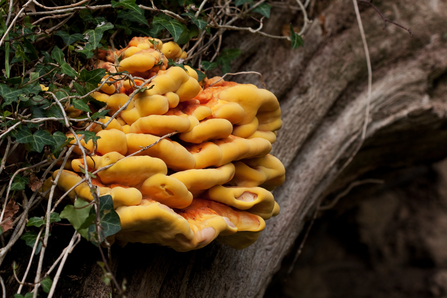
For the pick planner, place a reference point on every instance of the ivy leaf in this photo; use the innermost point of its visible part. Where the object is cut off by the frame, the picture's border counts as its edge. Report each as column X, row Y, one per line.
column 128, row 4
column 199, row 22
column 20, row 55
column 144, row 31
column 54, row 217
column 59, row 139
column 19, row 183
column 200, row 75
column 109, row 220
column 87, row 51
column 134, row 16
column 35, row 222
column 8, row 94
column 225, row 58
column 263, row 9
column 46, row 284
column 173, row 26
column 101, row 115
column 187, row 34
column 92, row 78
column 68, row 70
column 89, row 135
column 33, row 88
column 79, row 216
column 58, row 55
column 94, row 36
column 24, row 136
column 27, row 295
column 33, row 52
column 37, row 140
column 37, row 112
column 54, row 111
column 80, row 105
column 79, row 89
column 156, row 29
column 297, row 40
column 206, row 65
column 30, row 239
column 241, row 2
column 69, row 39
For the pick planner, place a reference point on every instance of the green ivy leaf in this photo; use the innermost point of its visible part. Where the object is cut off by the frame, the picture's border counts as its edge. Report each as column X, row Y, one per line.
column 33, row 88
column 242, row 2
column 143, row 31
column 263, row 9
column 109, row 220
column 60, row 140
column 199, row 22
column 37, row 140
column 58, row 55
column 156, row 29
column 87, row 51
column 8, row 94
column 206, row 65
column 29, row 46
column 94, row 36
column 30, row 239
column 80, row 105
column 225, row 58
column 187, row 34
column 54, row 217
column 55, row 111
column 68, row 70
column 79, row 89
column 19, row 183
column 35, row 222
column 201, row 76
column 46, row 284
column 89, row 135
column 69, row 39
column 173, row 26
column 92, row 78
column 297, row 40
column 98, row 115
column 128, row 4
column 79, row 216
column 136, row 16
column 27, row 295
column 20, row 55
column 24, row 136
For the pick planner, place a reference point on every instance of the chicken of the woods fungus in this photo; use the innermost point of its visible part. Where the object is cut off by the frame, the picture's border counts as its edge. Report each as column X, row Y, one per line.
column 210, row 180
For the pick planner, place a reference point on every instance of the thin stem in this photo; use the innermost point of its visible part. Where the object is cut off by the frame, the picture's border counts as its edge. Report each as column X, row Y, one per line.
column 30, row 261
column 13, row 21
column 67, row 251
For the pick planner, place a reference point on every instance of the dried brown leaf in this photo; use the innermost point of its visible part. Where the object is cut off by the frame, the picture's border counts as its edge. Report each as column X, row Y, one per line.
column 11, row 209
column 34, row 182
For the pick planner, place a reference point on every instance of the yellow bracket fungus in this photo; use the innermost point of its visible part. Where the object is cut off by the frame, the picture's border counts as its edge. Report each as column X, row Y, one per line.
column 211, row 179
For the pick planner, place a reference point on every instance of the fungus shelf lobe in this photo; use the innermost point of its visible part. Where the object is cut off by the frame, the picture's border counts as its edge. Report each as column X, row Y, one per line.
column 210, row 181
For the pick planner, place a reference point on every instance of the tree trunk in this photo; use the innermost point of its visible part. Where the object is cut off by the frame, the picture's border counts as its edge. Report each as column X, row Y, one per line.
column 322, row 88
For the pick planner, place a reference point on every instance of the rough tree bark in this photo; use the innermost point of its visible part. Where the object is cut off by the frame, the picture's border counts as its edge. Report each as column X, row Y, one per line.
column 323, row 92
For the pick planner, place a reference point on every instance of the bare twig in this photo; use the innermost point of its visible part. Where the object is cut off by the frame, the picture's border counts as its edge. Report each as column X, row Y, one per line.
column 67, row 251
column 240, row 73
column 52, row 17
column 14, row 21
column 385, row 20
column 347, row 190
column 60, row 7
column 30, row 261
column 3, row 287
